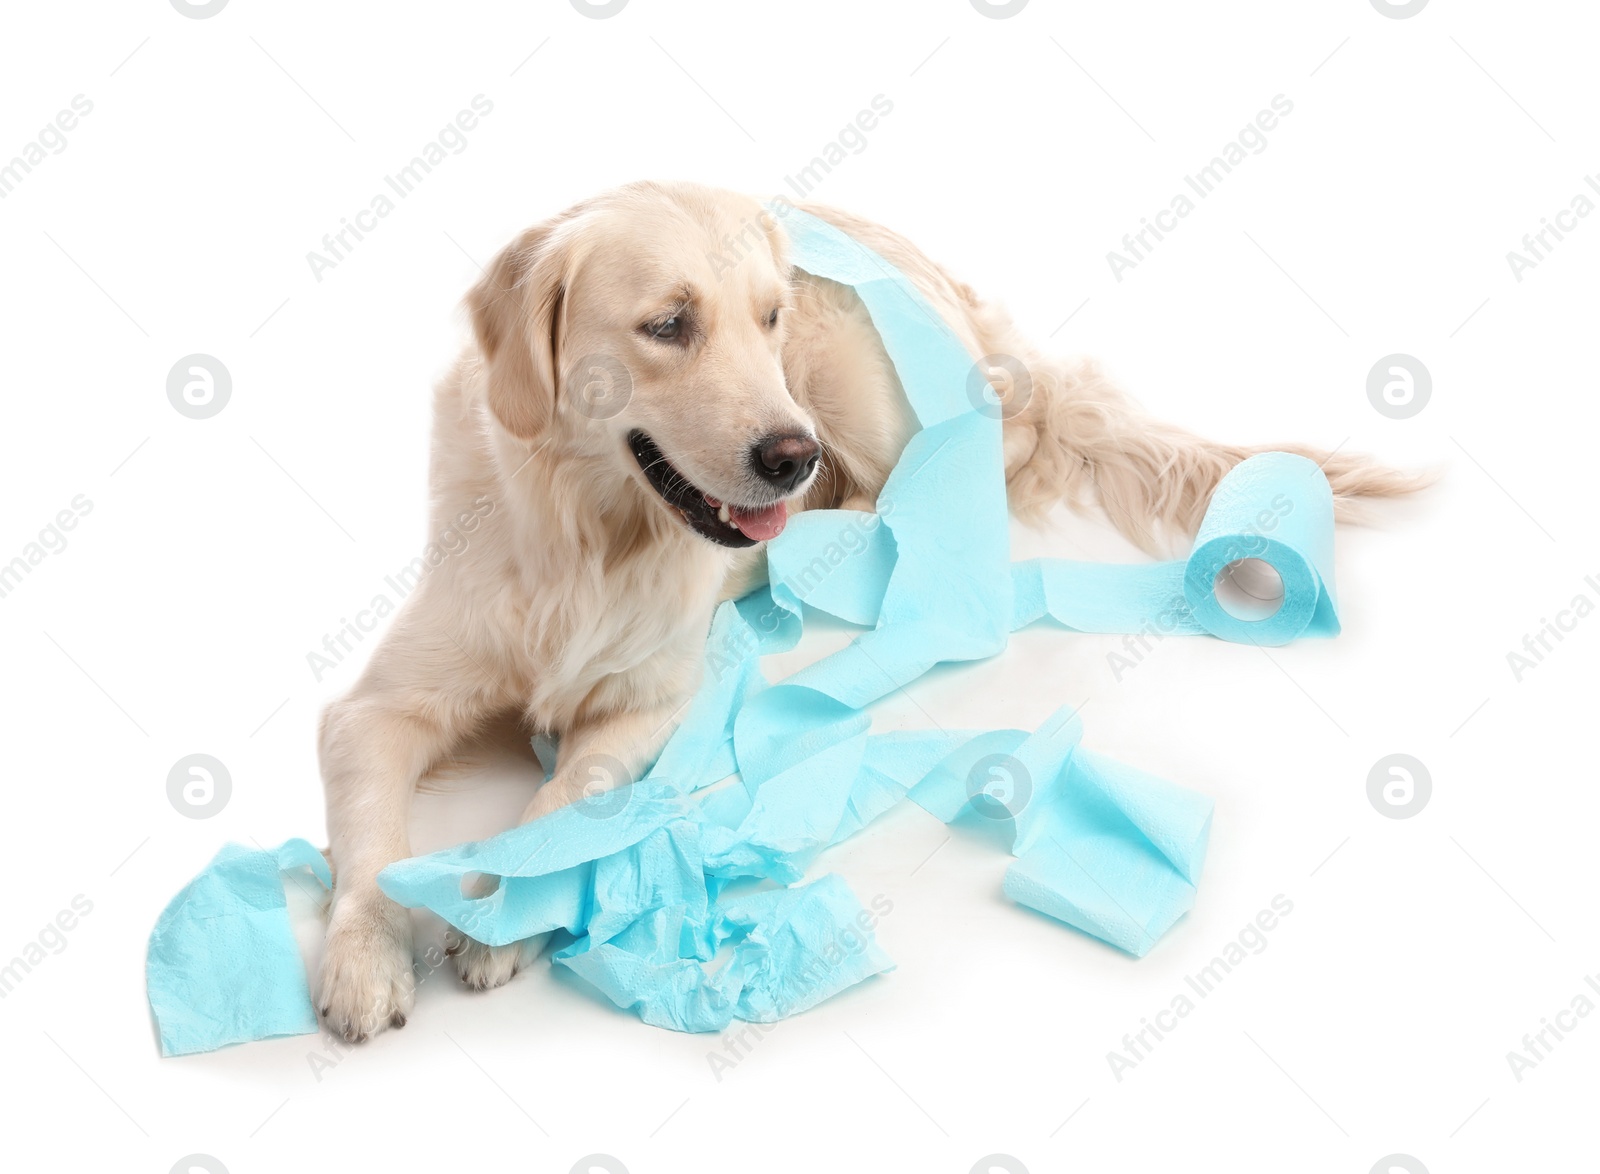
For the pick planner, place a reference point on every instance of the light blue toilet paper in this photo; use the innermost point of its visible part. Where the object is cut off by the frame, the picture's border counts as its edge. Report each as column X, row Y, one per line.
column 222, row 965
column 688, row 902
column 1274, row 507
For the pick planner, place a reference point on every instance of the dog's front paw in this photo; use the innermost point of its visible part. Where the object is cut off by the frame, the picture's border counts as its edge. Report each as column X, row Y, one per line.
column 484, row 967
column 366, row 983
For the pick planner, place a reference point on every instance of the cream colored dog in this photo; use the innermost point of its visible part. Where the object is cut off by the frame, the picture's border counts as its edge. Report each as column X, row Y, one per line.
column 651, row 390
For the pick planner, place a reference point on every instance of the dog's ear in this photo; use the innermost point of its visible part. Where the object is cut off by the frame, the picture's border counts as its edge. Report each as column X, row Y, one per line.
column 516, row 313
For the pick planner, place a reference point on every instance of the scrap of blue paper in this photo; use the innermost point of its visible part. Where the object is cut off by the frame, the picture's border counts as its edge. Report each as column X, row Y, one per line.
column 222, row 966
column 688, row 902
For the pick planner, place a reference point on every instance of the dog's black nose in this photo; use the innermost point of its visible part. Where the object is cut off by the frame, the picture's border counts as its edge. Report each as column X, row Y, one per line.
column 785, row 461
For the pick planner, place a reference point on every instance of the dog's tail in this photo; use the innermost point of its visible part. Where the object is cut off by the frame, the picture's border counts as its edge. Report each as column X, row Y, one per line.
column 1153, row 479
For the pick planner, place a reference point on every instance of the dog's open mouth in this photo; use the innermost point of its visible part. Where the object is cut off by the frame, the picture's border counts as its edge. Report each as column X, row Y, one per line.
column 721, row 522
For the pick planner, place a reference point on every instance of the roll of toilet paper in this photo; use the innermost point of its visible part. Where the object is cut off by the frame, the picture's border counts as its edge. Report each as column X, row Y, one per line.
column 1260, row 571
column 1274, row 510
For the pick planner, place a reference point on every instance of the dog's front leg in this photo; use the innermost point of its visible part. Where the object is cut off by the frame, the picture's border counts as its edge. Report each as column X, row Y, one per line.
column 598, row 756
column 604, row 754
column 375, row 744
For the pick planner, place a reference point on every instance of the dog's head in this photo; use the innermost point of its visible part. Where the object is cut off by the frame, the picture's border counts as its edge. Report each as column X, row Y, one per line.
column 645, row 329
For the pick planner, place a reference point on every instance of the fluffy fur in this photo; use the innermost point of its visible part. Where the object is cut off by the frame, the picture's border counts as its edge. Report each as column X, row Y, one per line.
column 582, row 598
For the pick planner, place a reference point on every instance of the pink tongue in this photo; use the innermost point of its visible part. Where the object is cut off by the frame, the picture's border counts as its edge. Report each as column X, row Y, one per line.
column 761, row 524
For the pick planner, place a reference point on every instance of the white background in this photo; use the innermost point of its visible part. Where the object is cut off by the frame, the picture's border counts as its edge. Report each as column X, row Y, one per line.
column 219, row 552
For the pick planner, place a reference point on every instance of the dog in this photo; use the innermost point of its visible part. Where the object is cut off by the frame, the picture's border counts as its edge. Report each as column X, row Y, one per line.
column 651, row 389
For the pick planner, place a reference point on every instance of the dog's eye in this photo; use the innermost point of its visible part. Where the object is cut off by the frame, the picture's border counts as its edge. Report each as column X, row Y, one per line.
column 667, row 329
column 772, row 318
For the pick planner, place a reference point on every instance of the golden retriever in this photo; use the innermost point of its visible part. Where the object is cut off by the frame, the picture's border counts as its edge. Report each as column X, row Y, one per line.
column 651, row 389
